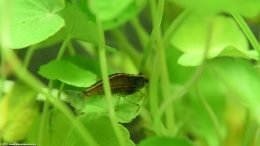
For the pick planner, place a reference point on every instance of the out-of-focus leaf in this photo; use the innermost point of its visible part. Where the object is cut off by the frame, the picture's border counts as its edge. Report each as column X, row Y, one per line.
column 29, row 19
column 116, row 12
column 165, row 141
column 78, row 24
column 242, row 80
column 191, row 39
column 195, row 118
column 60, row 127
column 18, row 109
column 100, row 127
column 248, row 8
column 68, row 73
column 107, row 10
column 178, row 74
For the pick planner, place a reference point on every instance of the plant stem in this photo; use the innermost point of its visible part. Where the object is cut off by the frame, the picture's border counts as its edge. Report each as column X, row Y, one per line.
column 250, row 130
column 149, row 46
column 212, row 116
column 126, row 47
column 4, row 39
column 44, row 126
column 45, row 115
column 63, row 47
column 153, row 92
column 250, row 36
column 181, row 92
column 249, row 134
column 106, row 84
column 35, row 84
column 71, row 49
column 3, row 75
column 163, row 67
column 60, row 90
column 174, row 26
column 257, row 137
column 141, row 33
column 28, row 55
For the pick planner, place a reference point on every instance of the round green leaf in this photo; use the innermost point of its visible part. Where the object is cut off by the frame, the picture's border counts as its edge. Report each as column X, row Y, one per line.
column 191, row 38
column 126, row 110
column 78, row 24
column 100, row 128
column 33, row 21
column 68, row 73
column 126, row 107
column 116, row 12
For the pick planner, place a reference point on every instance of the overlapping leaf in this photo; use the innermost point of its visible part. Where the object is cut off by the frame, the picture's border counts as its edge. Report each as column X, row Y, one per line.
column 68, row 73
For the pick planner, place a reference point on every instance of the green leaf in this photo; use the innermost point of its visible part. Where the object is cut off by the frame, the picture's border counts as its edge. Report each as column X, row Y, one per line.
column 249, row 8
column 116, row 12
column 102, row 131
column 191, row 108
column 60, row 127
column 107, row 10
column 78, row 24
column 126, row 107
column 126, row 110
column 54, row 39
column 85, row 63
column 33, row 21
column 242, row 81
column 68, row 73
column 178, row 74
column 165, row 141
column 191, row 38
column 32, row 136
column 16, row 108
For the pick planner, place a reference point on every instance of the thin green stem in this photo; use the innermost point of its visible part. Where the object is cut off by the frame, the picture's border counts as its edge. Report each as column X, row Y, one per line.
column 193, row 78
column 257, row 136
column 35, row 84
column 141, row 33
column 212, row 116
column 250, row 36
column 150, row 44
column 44, row 126
column 165, row 84
column 4, row 39
column 71, row 49
column 60, row 90
column 28, row 55
column 126, row 47
column 180, row 93
column 153, row 10
column 165, row 80
column 63, row 47
column 174, row 26
column 106, row 84
column 2, row 73
column 163, row 67
column 249, row 134
column 153, row 91
column 42, row 140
